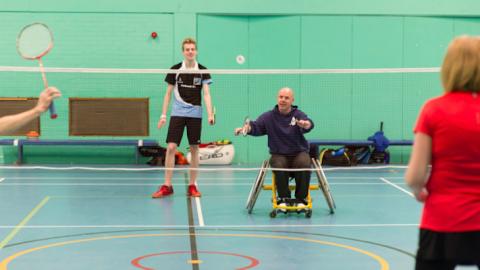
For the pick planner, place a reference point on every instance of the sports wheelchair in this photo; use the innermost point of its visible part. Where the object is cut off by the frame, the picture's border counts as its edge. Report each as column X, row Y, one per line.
column 276, row 208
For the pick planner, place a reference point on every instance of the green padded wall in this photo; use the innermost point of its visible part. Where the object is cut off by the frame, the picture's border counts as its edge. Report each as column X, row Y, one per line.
column 270, row 34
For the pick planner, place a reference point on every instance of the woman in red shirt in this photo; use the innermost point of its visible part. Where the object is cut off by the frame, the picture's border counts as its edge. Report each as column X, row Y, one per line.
column 447, row 136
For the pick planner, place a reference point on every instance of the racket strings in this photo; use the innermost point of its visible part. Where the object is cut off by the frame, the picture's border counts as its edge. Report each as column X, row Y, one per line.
column 34, row 41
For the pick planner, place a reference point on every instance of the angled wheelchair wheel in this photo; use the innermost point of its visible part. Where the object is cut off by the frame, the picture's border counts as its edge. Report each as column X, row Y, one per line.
column 257, row 187
column 324, row 186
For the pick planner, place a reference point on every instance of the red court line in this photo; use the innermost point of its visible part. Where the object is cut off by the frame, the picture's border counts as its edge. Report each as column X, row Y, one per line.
column 253, row 262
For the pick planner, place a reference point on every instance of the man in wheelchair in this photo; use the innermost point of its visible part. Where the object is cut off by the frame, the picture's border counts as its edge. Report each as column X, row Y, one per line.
column 285, row 126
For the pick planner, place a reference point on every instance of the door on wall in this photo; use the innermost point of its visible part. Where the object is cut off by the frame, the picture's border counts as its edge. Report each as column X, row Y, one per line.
column 264, row 42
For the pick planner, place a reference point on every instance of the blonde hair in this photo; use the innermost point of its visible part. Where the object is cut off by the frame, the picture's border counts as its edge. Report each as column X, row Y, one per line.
column 461, row 65
column 188, row 41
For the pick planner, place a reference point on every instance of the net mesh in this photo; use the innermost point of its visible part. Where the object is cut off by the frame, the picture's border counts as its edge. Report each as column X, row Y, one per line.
column 344, row 104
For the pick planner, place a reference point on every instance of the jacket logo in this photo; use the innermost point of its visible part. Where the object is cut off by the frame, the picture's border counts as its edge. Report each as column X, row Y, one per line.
column 293, row 122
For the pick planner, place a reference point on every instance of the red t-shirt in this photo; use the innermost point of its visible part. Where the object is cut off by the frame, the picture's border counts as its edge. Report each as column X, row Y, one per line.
column 453, row 123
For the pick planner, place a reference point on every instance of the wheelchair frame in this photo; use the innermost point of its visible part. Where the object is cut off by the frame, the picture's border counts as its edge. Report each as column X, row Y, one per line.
column 259, row 185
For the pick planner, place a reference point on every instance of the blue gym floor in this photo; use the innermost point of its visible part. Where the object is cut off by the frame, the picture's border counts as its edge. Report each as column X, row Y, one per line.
column 80, row 219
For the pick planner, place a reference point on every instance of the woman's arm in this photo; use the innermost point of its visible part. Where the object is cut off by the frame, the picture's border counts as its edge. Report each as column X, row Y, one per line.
column 416, row 175
column 13, row 122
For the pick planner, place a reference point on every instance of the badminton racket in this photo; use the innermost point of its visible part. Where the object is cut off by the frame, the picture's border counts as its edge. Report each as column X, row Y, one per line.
column 214, row 115
column 33, row 42
column 246, row 124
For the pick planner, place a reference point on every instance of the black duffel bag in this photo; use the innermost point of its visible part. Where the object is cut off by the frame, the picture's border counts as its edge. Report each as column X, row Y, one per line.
column 157, row 154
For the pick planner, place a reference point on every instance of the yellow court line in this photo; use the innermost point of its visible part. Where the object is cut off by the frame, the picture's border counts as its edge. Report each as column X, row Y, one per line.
column 381, row 261
column 23, row 223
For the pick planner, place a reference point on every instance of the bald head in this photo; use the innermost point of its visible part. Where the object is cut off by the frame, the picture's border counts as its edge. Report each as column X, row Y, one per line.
column 286, row 91
column 285, row 100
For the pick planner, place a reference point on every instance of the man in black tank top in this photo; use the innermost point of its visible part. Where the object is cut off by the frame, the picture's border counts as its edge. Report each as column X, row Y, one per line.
column 186, row 112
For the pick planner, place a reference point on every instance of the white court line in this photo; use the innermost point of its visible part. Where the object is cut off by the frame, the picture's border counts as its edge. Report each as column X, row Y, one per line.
column 211, row 226
column 396, row 186
column 23, row 223
column 77, row 184
column 118, row 184
column 209, row 169
column 114, row 178
column 156, row 184
column 201, row 221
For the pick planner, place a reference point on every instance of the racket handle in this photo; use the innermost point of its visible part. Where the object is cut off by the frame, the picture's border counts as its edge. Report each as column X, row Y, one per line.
column 214, row 115
column 53, row 112
column 51, row 108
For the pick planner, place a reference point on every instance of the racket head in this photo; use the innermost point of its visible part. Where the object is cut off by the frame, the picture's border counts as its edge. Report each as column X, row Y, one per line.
column 34, row 41
column 246, row 122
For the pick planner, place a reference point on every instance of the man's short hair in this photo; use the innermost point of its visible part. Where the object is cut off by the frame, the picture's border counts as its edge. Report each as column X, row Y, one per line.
column 189, row 41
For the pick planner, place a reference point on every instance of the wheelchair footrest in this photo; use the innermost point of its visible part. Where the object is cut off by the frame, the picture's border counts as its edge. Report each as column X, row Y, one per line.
column 291, row 187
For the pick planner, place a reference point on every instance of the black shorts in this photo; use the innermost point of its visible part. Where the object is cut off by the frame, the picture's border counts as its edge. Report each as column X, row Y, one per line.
column 177, row 126
column 447, row 249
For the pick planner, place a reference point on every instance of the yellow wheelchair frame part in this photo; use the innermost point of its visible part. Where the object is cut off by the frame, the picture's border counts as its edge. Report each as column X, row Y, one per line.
column 307, row 208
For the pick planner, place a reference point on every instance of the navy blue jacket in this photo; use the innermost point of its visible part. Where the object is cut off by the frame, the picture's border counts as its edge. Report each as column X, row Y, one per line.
column 284, row 136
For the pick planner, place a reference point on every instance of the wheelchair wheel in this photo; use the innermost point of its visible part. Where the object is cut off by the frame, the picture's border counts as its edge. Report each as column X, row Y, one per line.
column 257, row 187
column 308, row 213
column 323, row 183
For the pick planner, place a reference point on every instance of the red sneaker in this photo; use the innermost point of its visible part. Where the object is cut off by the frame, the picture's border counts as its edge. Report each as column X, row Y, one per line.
column 163, row 191
column 193, row 191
